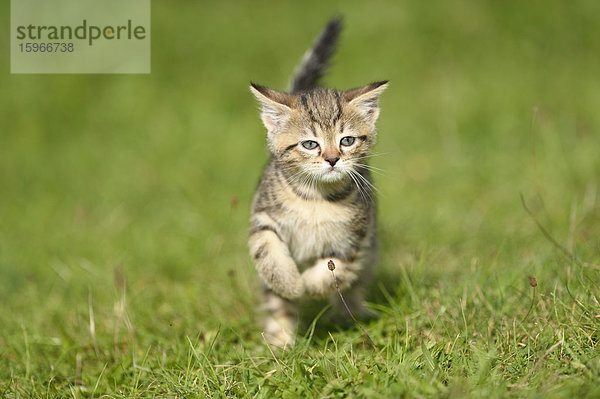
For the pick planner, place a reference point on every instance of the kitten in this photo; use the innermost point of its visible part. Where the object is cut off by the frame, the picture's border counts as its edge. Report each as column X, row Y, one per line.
column 315, row 200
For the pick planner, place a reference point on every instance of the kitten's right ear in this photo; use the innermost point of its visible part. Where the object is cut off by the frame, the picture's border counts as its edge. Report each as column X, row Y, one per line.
column 276, row 106
column 365, row 99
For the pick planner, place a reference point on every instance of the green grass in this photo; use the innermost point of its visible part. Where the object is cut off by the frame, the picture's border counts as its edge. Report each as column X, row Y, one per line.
column 123, row 263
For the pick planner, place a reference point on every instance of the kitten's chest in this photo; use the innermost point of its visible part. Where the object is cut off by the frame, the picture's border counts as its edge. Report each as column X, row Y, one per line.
column 316, row 228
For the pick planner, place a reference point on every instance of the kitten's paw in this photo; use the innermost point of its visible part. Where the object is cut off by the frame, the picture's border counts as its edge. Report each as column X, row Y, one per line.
column 283, row 279
column 319, row 281
column 292, row 289
column 280, row 321
column 279, row 331
column 281, row 339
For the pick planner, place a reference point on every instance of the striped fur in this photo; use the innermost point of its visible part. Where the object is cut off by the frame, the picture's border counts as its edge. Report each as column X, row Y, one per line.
column 314, row 63
column 314, row 202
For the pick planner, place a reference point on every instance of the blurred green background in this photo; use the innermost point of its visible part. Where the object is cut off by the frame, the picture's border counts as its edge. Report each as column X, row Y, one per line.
column 128, row 195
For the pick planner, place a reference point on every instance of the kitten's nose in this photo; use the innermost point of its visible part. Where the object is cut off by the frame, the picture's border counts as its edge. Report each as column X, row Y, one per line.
column 332, row 160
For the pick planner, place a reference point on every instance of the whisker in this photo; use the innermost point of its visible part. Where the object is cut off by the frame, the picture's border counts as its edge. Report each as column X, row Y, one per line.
column 370, row 188
column 370, row 168
column 364, row 187
column 367, row 182
column 378, row 154
column 358, row 186
column 366, row 166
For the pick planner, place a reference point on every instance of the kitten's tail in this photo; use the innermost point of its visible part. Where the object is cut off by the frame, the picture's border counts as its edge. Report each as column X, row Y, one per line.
column 314, row 63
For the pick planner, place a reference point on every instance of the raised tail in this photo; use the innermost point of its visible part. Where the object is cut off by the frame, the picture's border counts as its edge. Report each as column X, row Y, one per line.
column 314, row 63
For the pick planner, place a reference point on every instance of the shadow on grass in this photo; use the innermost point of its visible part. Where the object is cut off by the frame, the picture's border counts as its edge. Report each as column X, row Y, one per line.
column 384, row 286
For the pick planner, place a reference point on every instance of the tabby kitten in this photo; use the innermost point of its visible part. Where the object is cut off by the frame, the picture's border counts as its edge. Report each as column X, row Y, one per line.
column 315, row 200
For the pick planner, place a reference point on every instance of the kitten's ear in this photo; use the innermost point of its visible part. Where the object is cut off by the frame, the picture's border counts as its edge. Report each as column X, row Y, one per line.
column 365, row 99
column 276, row 106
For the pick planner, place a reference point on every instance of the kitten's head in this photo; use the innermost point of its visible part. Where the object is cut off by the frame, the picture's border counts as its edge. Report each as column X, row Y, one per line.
column 321, row 135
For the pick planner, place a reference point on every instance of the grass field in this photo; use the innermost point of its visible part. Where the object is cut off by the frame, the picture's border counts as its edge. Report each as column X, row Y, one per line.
column 124, row 203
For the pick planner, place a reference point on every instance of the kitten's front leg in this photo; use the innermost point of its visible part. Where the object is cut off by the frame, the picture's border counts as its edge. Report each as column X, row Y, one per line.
column 273, row 261
column 318, row 279
column 280, row 320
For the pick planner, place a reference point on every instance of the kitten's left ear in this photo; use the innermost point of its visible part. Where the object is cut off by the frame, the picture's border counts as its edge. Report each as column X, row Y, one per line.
column 276, row 106
column 365, row 99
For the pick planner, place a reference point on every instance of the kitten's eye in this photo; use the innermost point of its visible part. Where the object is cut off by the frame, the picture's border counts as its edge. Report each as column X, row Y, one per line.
column 310, row 145
column 347, row 141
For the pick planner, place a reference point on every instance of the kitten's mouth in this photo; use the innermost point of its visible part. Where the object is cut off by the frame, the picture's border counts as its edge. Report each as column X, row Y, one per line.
column 332, row 174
